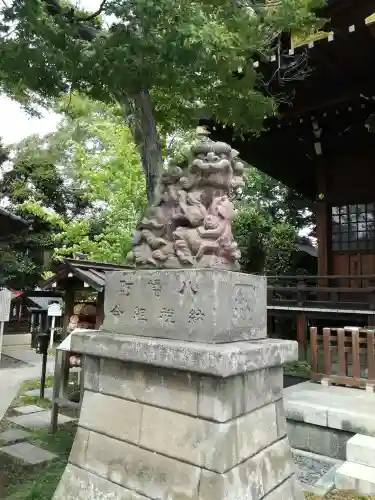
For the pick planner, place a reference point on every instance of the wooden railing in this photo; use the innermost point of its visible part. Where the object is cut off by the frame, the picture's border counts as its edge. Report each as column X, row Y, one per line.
column 322, row 292
column 343, row 356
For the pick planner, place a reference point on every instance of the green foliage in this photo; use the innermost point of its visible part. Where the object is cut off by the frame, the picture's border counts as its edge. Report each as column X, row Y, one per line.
column 84, row 188
column 32, row 186
column 183, row 51
column 17, row 270
column 279, row 248
column 103, row 159
column 167, row 63
column 250, row 229
column 270, row 217
column 302, row 368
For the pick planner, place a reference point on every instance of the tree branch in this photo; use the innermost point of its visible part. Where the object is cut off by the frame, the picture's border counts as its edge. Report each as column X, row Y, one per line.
column 87, row 32
column 95, row 14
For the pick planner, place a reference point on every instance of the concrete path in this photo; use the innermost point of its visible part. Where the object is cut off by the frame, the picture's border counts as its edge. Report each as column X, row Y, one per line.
column 11, row 379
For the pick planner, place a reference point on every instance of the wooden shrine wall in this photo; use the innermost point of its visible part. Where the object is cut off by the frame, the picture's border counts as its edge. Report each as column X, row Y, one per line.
column 349, row 179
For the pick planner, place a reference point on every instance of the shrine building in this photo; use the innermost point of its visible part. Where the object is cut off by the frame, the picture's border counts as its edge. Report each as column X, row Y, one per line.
column 321, row 146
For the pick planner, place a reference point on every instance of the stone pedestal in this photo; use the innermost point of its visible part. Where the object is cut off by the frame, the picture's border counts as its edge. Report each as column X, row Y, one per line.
column 170, row 419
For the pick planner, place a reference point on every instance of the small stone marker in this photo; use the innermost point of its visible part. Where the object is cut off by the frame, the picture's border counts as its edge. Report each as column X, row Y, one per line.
column 38, row 420
column 26, row 410
column 13, row 435
column 28, row 453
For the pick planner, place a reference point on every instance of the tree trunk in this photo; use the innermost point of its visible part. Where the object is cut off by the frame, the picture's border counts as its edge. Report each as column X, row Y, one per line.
column 140, row 113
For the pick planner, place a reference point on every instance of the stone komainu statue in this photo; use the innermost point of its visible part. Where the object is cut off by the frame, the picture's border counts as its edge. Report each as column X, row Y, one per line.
column 190, row 221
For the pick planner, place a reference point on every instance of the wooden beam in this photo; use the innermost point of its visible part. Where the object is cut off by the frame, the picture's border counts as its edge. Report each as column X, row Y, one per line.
column 337, row 97
column 69, row 297
column 322, row 222
column 302, row 334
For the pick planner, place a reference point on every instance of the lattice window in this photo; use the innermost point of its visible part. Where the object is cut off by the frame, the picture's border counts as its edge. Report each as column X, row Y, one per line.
column 353, row 227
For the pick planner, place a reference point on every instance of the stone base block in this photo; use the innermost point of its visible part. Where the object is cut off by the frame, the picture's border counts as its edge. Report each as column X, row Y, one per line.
column 356, row 477
column 79, row 484
column 321, row 440
column 210, row 429
column 360, row 449
column 288, row 490
column 198, row 305
column 220, row 360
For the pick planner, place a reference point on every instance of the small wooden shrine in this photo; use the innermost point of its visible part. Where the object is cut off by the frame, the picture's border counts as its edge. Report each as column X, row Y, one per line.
column 83, row 284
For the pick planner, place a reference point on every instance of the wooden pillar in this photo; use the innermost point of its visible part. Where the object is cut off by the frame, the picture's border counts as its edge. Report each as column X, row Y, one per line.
column 322, row 221
column 99, row 309
column 302, row 334
column 322, row 228
column 69, row 297
column 32, row 321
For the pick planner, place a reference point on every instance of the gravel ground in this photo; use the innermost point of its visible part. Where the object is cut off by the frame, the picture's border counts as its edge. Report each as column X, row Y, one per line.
column 310, row 470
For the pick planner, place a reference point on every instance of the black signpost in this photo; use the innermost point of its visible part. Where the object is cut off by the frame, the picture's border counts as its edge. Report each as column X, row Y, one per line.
column 42, row 348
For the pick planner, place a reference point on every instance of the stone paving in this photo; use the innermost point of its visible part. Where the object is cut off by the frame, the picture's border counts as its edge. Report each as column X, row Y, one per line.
column 40, row 419
column 11, row 379
column 32, row 417
column 14, row 435
column 25, row 410
column 13, row 442
column 28, row 453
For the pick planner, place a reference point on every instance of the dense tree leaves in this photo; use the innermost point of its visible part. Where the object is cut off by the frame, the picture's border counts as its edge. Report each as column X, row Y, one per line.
column 268, row 226
column 95, row 155
column 166, row 62
column 32, row 177
column 20, row 254
column 107, row 164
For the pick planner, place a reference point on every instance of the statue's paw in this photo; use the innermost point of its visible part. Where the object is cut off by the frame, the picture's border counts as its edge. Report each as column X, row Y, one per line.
column 159, row 255
column 157, row 243
column 130, row 257
column 186, row 259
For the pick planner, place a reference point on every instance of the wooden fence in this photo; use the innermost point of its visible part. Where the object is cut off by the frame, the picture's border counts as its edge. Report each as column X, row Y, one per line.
column 321, row 292
column 343, row 356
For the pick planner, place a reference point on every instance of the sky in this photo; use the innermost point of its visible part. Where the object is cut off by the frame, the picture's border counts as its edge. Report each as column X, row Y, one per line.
column 16, row 124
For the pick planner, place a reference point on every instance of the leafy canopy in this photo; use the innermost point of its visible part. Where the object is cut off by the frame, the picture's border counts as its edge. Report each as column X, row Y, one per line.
column 185, row 53
column 95, row 163
column 268, row 225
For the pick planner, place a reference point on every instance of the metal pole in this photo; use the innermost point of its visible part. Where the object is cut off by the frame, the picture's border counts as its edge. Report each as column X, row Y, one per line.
column 43, row 376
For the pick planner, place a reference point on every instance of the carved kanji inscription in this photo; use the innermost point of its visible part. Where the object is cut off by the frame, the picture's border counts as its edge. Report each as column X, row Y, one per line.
column 125, row 287
column 188, row 285
column 243, row 297
column 156, row 287
column 196, row 315
column 140, row 314
column 167, row 315
column 117, row 311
